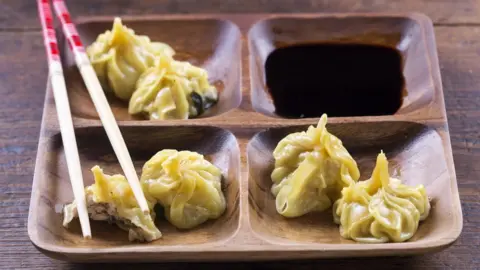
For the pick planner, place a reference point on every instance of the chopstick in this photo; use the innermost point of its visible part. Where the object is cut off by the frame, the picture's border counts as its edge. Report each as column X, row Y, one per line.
column 64, row 115
column 100, row 101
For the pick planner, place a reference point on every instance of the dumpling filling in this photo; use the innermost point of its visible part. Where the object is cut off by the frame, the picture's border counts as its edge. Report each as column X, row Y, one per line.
column 111, row 199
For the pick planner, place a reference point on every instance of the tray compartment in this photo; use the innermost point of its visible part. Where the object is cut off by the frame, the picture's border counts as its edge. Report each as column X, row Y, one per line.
column 218, row 145
column 416, row 155
column 213, row 44
column 404, row 34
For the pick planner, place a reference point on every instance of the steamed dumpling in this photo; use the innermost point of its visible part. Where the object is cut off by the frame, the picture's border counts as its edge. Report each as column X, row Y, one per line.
column 119, row 57
column 172, row 90
column 111, row 199
column 380, row 209
column 308, row 171
column 186, row 185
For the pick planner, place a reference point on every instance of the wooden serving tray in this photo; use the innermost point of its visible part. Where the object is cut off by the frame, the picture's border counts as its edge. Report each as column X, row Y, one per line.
column 239, row 135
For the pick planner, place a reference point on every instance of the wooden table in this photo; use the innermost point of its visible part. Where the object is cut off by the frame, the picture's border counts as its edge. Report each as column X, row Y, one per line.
column 23, row 73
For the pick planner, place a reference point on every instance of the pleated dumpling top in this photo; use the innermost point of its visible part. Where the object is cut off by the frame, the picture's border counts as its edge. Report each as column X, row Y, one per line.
column 119, row 57
column 111, row 199
column 186, row 185
column 381, row 209
column 308, row 171
column 172, row 90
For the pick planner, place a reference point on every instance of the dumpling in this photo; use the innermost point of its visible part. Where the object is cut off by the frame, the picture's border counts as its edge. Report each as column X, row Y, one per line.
column 380, row 209
column 186, row 185
column 172, row 90
column 119, row 57
column 111, row 199
column 308, row 171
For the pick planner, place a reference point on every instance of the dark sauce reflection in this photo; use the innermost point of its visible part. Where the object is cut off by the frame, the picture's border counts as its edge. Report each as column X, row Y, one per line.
column 337, row 79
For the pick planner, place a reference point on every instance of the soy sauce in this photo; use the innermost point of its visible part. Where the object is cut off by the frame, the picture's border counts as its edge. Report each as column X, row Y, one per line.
column 338, row 79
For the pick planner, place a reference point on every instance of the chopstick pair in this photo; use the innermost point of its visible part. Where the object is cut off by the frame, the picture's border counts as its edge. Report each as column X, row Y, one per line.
column 63, row 108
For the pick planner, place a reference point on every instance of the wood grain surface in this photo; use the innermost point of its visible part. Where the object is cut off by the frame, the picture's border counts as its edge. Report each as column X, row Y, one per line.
column 23, row 72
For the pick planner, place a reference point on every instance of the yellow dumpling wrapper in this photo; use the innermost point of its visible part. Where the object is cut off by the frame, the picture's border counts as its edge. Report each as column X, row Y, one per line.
column 308, row 171
column 119, row 57
column 172, row 90
column 111, row 199
column 186, row 185
column 381, row 209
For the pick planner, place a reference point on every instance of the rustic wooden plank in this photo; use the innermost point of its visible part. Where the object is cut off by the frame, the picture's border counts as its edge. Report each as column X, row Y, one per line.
column 24, row 73
column 23, row 15
column 23, row 78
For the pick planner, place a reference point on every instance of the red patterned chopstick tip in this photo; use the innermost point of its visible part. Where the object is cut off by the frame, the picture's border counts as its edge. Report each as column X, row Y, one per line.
column 48, row 31
column 74, row 41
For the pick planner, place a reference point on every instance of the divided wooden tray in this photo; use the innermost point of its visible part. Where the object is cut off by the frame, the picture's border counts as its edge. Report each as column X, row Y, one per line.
column 239, row 135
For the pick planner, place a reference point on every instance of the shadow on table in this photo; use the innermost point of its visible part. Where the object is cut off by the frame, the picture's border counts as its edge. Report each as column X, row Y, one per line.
column 357, row 264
